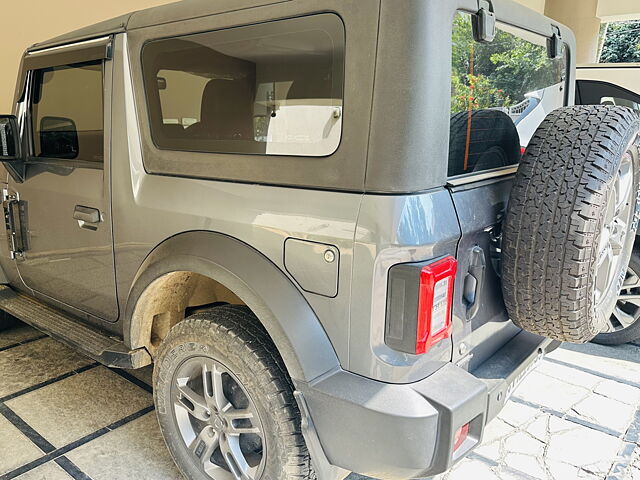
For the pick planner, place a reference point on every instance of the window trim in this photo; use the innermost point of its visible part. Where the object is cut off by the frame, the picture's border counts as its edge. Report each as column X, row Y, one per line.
column 147, row 97
column 33, row 160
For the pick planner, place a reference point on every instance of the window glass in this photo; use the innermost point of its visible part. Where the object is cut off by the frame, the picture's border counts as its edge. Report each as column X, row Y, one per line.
column 592, row 92
column 501, row 92
column 67, row 113
column 274, row 88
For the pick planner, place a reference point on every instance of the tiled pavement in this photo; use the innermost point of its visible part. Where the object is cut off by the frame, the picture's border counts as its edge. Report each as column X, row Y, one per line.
column 577, row 416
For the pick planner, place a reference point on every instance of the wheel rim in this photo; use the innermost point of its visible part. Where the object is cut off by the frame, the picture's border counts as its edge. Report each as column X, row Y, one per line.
column 627, row 309
column 218, row 421
column 614, row 235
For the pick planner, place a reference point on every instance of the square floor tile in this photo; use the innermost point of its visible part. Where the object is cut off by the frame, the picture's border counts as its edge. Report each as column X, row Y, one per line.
column 144, row 374
column 135, row 450
column 17, row 334
column 79, row 405
column 48, row 471
column 36, row 362
column 15, row 449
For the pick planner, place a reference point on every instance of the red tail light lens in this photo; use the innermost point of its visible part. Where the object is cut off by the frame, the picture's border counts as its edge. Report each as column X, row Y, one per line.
column 434, row 303
column 461, row 435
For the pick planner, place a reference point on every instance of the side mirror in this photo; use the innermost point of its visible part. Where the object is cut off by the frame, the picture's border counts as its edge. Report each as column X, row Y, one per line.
column 58, row 138
column 10, row 150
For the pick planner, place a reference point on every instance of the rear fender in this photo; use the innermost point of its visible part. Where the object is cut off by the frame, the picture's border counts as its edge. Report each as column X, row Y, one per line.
column 295, row 329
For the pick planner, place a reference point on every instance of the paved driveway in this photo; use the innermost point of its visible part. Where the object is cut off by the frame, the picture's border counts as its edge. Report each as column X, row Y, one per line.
column 576, row 416
column 63, row 416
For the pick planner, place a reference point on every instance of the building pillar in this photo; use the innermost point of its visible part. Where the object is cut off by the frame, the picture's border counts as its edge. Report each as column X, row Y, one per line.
column 581, row 16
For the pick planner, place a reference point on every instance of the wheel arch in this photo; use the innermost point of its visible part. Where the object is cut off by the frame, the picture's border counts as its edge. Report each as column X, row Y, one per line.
column 281, row 308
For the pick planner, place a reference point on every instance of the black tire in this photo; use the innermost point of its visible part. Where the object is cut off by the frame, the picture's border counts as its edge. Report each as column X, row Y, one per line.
column 631, row 333
column 232, row 338
column 563, row 192
column 494, row 141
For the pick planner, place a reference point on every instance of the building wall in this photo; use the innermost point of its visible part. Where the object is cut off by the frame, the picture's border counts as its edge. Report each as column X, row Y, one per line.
column 537, row 5
column 618, row 10
column 26, row 22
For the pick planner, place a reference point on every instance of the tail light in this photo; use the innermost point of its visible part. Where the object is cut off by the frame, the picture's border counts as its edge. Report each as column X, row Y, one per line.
column 434, row 303
column 460, row 437
column 419, row 300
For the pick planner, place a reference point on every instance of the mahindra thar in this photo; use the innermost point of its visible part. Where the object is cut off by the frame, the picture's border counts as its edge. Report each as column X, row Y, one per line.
column 343, row 231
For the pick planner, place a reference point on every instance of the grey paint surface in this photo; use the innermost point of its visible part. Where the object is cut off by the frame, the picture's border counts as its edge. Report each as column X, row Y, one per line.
column 344, row 170
column 314, row 266
column 70, row 264
column 260, row 216
column 413, row 90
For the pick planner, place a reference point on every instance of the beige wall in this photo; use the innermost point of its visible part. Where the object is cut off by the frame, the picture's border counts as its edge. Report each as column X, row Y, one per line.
column 618, row 10
column 25, row 22
column 581, row 17
column 537, row 5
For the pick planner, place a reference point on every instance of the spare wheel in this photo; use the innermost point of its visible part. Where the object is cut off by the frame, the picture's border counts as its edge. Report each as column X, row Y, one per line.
column 570, row 225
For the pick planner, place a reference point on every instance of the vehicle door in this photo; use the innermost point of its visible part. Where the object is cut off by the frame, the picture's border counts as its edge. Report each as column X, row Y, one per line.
column 67, row 254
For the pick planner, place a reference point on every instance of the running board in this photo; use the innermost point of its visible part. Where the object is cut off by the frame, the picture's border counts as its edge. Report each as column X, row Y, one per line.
column 107, row 350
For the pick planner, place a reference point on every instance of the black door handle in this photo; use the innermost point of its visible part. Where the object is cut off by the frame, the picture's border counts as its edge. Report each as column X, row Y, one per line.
column 474, row 281
column 87, row 214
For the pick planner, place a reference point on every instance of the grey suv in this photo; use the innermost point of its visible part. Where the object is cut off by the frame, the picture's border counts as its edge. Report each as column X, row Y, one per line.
column 342, row 230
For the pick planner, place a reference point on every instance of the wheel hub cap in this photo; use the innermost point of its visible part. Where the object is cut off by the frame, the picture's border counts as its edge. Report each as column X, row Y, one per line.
column 619, row 210
column 218, row 421
column 627, row 309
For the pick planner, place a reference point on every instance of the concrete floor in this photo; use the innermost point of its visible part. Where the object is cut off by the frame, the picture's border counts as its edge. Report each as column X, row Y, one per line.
column 63, row 416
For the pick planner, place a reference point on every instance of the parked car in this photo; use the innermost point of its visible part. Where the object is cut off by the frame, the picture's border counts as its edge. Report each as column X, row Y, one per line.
column 616, row 84
column 316, row 219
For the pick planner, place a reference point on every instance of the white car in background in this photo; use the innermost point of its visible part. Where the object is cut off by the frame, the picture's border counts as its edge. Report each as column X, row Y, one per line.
column 616, row 84
column 609, row 84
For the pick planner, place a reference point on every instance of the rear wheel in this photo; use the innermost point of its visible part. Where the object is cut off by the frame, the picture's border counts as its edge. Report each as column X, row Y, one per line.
column 225, row 402
column 624, row 323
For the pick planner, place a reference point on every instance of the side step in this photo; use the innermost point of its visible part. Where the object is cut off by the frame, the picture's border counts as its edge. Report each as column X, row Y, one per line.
column 107, row 350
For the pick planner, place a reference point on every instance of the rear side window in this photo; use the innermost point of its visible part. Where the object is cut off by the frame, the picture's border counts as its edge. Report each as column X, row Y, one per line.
column 501, row 92
column 274, row 88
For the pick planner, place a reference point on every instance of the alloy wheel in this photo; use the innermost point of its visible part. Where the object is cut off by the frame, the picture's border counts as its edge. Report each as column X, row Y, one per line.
column 218, row 421
column 627, row 309
column 616, row 227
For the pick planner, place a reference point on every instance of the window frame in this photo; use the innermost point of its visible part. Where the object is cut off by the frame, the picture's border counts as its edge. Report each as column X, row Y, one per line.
column 344, row 170
column 156, row 106
column 507, row 170
column 31, row 158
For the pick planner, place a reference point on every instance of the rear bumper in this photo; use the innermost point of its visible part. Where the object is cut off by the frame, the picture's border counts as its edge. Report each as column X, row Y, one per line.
column 407, row 431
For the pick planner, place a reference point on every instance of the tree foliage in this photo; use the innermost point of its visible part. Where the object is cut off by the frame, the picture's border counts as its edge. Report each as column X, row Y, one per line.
column 622, row 43
column 500, row 73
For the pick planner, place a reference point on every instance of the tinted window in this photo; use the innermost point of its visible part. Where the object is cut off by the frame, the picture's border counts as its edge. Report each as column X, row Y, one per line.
column 67, row 113
column 274, row 88
column 501, row 92
column 591, row 92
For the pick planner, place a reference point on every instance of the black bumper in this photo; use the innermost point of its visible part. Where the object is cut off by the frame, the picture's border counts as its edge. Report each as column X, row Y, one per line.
column 407, row 430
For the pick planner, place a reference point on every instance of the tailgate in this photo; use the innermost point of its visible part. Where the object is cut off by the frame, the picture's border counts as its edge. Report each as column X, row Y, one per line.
column 480, row 321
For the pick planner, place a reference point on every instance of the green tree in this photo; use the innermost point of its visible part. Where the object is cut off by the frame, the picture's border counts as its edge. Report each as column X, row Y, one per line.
column 499, row 73
column 622, row 43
